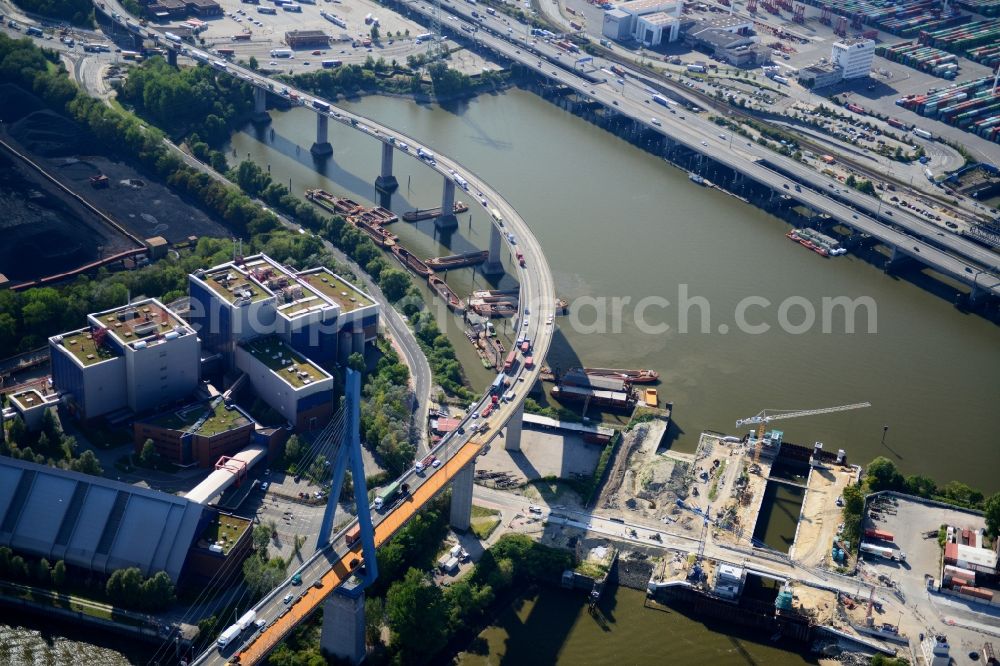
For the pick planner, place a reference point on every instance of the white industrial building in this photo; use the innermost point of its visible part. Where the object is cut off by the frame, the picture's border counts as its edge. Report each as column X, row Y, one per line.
column 316, row 311
column 138, row 356
column 853, row 57
column 649, row 22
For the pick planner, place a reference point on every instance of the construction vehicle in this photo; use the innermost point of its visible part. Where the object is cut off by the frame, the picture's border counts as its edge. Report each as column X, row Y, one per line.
column 763, row 418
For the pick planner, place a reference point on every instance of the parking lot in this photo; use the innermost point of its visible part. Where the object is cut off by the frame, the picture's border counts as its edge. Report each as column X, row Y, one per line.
column 397, row 35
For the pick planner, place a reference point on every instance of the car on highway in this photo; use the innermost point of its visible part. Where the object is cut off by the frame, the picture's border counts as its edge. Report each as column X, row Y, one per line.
column 264, row 486
column 287, row 599
column 704, row 143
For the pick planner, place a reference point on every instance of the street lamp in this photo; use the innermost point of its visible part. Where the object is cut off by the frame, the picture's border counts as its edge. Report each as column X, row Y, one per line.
column 885, row 429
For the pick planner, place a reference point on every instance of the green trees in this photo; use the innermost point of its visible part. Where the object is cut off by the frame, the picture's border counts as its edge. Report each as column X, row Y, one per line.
column 394, row 283
column 882, row 474
column 149, row 456
column 263, row 574
column 992, row 511
column 418, row 618
column 356, row 362
column 127, row 587
column 78, row 12
column 59, row 574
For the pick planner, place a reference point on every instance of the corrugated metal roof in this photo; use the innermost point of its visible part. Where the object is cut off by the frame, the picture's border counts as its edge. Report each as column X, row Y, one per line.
column 140, row 528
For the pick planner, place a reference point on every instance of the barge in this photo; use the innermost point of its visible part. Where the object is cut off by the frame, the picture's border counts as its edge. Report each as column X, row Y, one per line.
column 430, row 213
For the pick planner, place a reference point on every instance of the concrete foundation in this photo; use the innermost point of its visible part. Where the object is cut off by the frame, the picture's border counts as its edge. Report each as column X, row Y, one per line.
column 344, row 626
column 322, row 146
column 512, row 439
column 447, row 219
column 260, row 115
column 386, row 182
column 494, row 265
column 461, row 497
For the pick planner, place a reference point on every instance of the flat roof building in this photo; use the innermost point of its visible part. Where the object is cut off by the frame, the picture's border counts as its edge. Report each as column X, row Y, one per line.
column 290, row 383
column 853, row 57
column 138, row 356
column 644, row 21
column 93, row 523
column 198, row 433
column 307, row 39
column 316, row 311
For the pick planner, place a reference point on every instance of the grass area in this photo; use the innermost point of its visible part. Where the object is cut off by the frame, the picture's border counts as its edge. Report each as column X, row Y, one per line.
column 714, row 490
column 291, row 366
column 592, row 569
column 334, row 288
column 484, row 521
column 225, row 531
column 83, row 347
column 219, row 420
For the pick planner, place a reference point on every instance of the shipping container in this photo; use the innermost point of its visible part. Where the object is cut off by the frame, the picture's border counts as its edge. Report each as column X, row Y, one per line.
column 353, row 534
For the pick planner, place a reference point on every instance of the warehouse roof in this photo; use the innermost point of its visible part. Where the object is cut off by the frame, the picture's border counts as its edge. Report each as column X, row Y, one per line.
column 92, row 522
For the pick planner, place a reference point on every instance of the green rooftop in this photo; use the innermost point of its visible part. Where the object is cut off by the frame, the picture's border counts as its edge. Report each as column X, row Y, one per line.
column 28, row 399
column 230, row 283
column 291, row 366
column 81, row 345
column 224, row 531
column 346, row 295
column 219, row 419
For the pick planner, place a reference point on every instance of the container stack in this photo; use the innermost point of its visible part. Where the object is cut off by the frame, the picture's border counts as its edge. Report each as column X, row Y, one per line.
column 983, row 7
column 987, row 55
column 962, row 38
column 972, row 106
column 924, row 58
column 911, row 22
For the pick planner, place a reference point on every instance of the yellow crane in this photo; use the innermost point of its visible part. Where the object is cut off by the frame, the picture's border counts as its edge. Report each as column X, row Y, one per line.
column 762, row 419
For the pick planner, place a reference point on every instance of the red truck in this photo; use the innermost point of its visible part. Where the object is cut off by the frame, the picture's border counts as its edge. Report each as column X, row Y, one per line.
column 353, row 534
column 879, row 534
column 529, row 362
column 487, row 410
column 508, row 364
column 520, row 258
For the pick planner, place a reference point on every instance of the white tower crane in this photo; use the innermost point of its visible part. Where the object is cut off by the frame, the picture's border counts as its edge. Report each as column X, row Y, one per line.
column 763, row 418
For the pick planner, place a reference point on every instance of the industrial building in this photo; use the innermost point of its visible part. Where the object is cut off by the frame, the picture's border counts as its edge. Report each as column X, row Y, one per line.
column 316, row 312
column 307, row 39
column 131, row 358
column 199, row 433
column 729, row 39
column 649, row 22
column 290, row 383
column 820, row 76
column 93, row 523
column 853, row 57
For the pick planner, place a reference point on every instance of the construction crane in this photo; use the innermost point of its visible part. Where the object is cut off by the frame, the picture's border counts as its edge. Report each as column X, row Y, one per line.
column 766, row 416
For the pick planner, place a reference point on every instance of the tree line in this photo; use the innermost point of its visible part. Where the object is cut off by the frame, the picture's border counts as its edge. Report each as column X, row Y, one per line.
column 50, row 445
column 77, row 12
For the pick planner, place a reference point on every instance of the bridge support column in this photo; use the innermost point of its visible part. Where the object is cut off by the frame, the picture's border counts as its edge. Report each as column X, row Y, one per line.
column 344, row 626
column 447, row 219
column 386, row 182
column 172, row 57
column 512, row 440
column 260, row 115
column 322, row 146
column 461, row 497
column 896, row 258
column 494, row 265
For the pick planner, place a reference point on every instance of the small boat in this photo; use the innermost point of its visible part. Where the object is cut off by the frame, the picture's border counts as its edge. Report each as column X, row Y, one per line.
column 695, row 178
column 445, row 292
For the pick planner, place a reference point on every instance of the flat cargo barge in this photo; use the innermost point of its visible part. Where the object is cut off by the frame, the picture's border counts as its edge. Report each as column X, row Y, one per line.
column 445, row 292
column 410, row 260
column 458, row 260
column 334, row 204
column 429, row 213
column 641, row 376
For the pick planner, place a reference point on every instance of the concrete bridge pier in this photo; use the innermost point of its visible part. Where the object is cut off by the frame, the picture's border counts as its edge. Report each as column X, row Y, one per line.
column 512, row 440
column 386, row 182
column 447, row 219
column 461, row 497
column 172, row 57
column 494, row 264
column 260, row 115
column 896, row 259
column 322, row 147
column 344, row 624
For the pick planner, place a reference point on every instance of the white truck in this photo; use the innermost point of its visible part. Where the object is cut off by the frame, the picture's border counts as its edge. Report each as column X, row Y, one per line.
column 228, row 636
column 882, row 551
column 246, row 619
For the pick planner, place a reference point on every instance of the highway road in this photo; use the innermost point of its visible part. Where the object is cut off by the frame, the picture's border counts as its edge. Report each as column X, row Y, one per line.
column 948, row 253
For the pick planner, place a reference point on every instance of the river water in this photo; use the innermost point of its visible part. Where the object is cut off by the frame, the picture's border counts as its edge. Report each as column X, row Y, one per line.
column 617, row 223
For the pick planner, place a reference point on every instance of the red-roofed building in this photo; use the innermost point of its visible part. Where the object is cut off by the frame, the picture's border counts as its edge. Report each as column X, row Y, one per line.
column 444, row 426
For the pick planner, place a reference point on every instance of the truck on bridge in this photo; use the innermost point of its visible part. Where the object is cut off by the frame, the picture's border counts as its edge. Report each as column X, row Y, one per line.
column 385, row 497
